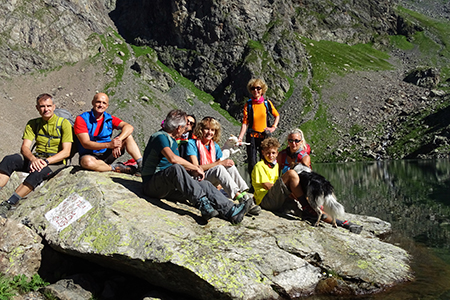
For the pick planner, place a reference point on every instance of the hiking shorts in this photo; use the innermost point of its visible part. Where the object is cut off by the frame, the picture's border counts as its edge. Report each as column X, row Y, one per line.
column 276, row 196
column 16, row 162
column 106, row 156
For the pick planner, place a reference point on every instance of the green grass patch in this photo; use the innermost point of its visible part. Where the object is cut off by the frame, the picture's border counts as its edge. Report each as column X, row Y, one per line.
column 319, row 134
column 113, row 44
column 308, row 96
column 201, row 95
column 19, row 284
column 433, row 42
column 400, row 42
column 255, row 45
column 355, row 129
column 143, row 50
column 329, row 58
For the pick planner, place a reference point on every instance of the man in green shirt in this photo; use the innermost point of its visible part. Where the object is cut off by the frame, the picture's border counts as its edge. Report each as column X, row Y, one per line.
column 54, row 139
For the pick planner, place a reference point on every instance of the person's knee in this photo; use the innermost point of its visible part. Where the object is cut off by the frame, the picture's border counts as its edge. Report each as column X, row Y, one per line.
column 88, row 162
column 129, row 141
column 178, row 170
column 221, row 170
column 11, row 163
column 32, row 186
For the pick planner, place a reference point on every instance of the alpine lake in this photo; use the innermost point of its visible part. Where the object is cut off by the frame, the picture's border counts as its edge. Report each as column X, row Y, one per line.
column 414, row 196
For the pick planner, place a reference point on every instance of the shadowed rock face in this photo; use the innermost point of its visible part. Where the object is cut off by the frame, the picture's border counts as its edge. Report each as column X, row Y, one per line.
column 219, row 45
column 169, row 245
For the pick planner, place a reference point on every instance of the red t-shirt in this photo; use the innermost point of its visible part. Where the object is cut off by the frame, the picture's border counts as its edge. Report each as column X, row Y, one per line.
column 81, row 127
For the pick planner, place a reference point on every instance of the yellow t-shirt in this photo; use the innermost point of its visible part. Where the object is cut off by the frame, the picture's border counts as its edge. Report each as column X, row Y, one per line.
column 261, row 174
column 47, row 140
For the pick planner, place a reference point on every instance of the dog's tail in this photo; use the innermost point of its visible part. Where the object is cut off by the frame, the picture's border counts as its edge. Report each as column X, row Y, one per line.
column 332, row 207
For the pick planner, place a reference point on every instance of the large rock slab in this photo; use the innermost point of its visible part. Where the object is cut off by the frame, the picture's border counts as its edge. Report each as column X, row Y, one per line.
column 169, row 245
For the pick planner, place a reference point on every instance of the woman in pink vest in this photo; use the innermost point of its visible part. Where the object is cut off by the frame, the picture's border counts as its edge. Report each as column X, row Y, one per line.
column 297, row 152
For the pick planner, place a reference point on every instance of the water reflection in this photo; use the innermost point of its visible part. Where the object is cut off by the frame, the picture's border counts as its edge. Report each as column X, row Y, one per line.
column 414, row 196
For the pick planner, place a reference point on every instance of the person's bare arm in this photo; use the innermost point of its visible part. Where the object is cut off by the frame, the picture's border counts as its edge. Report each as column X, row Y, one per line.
column 195, row 171
column 37, row 164
column 91, row 145
column 267, row 185
column 225, row 163
column 126, row 130
column 274, row 126
column 242, row 132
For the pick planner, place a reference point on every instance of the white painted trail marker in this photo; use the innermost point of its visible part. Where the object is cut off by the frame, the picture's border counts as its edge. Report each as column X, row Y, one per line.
column 68, row 211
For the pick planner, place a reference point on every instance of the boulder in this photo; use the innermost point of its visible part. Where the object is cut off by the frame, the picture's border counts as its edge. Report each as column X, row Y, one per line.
column 20, row 249
column 104, row 218
column 66, row 290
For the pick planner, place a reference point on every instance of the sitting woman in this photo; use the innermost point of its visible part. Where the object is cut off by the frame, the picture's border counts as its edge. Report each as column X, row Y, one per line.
column 297, row 152
column 186, row 136
column 205, row 151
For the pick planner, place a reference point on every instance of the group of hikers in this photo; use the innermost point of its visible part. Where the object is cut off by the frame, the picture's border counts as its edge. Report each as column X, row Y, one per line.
column 182, row 161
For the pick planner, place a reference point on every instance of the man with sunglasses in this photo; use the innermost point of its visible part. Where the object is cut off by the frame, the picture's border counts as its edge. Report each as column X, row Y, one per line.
column 256, row 122
column 167, row 175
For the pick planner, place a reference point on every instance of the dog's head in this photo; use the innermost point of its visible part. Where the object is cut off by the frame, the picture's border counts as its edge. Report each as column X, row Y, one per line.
column 232, row 139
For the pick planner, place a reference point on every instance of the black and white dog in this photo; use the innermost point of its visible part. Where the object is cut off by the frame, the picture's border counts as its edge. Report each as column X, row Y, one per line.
column 319, row 192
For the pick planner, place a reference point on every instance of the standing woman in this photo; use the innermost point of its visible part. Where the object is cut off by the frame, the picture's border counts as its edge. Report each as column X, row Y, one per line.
column 297, row 152
column 255, row 123
column 206, row 153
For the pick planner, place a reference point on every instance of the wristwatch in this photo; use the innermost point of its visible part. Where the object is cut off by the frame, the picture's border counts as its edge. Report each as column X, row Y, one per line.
column 46, row 161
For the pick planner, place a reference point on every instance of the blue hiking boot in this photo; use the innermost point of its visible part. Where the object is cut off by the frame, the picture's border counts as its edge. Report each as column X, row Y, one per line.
column 238, row 211
column 206, row 209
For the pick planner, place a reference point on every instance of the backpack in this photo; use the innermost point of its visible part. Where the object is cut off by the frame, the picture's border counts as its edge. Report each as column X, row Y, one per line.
column 64, row 113
column 269, row 115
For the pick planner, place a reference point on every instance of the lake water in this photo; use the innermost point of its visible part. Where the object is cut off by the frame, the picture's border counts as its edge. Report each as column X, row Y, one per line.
column 414, row 196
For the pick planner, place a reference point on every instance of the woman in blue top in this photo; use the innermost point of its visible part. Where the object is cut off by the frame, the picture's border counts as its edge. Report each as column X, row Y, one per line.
column 206, row 153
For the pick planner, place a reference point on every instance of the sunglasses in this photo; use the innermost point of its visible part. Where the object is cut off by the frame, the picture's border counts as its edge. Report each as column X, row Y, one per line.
column 294, row 141
column 258, row 88
column 190, row 122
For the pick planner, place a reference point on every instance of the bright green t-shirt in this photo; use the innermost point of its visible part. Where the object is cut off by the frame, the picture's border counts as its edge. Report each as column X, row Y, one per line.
column 261, row 174
column 47, row 140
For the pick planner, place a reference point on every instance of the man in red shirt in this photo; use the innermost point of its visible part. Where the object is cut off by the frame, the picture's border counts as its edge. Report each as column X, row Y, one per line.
column 97, row 149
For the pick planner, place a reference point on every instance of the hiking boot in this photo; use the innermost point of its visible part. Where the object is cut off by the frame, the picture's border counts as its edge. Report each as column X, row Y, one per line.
column 121, row 168
column 206, row 209
column 254, row 209
column 355, row 228
column 352, row 227
column 138, row 172
column 238, row 211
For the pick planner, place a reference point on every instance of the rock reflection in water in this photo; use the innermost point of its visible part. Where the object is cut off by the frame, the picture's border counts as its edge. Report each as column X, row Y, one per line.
column 414, row 195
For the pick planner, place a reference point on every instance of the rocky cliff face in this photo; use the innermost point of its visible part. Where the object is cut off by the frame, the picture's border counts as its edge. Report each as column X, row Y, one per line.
column 219, row 45
column 39, row 35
